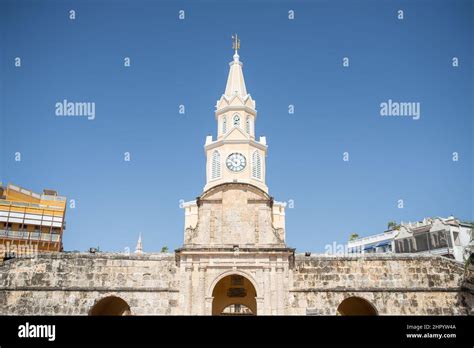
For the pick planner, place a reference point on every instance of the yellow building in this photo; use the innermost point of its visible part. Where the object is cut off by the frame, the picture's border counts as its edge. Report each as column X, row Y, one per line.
column 29, row 220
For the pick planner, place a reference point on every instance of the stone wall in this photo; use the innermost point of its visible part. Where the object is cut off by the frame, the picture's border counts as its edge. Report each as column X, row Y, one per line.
column 393, row 284
column 71, row 283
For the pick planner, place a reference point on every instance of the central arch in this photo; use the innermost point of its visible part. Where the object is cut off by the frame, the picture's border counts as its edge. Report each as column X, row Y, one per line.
column 356, row 306
column 110, row 305
column 234, row 294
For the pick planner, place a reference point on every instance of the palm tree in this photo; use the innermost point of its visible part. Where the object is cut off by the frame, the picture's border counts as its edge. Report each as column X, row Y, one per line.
column 353, row 236
column 392, row 225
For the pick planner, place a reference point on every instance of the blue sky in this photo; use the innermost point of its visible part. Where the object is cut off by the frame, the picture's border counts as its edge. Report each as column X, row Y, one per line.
column 286, row 62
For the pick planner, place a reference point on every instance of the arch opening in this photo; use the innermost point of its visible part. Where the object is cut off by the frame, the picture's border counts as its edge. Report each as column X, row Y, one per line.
column 356, row 306
column 234, row 295
column 237, row 309
column 111, row 305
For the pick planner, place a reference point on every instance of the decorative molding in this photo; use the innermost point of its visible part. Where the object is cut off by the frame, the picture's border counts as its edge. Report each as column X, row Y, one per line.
column 228, row 108
column 88, row 289
column 372, row 289
column 247, row 140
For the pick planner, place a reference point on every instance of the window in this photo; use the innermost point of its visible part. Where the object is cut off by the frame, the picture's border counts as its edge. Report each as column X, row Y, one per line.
column 406, row 248
column 256, row 165
column 216, row 165
column 457, row 241
column 247, row 125
column 434, row 240
column 224, row 125
column 236, row 121
column 421, row 241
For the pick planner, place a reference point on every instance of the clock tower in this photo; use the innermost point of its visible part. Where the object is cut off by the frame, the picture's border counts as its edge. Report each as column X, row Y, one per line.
column 235, row 156
column 234, row 251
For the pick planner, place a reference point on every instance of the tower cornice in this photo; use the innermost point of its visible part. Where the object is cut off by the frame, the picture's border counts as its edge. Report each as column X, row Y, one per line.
column 236, row 108
column 221, row 142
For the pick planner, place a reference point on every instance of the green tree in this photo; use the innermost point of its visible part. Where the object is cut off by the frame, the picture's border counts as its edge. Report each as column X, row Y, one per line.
column 392, row 225
column 353, row 236
column 164, row 249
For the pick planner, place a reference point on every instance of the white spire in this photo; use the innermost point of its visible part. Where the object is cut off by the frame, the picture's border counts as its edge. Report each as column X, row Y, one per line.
column 235, row 80
column 139, row 248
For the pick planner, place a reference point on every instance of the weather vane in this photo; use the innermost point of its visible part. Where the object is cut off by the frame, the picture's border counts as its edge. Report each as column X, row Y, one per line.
column 235, row 42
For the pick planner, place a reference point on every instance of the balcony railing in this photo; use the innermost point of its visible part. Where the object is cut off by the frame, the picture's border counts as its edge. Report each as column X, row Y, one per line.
column 372, row 239
column 29, row 205
column 29, row 235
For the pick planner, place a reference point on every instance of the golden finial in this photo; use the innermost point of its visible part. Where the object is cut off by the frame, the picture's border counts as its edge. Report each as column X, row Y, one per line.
column 235, row 42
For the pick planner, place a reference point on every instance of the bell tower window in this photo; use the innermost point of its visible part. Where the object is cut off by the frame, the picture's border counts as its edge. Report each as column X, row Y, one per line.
column 256, row 165
column 224, row 125
column 236, row 121
column 216, row 165
column 247, row 125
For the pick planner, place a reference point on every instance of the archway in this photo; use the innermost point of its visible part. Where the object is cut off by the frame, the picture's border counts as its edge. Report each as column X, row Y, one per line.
column 234, row 295
column 237, row 309
column 356, row 306
column 110, row 305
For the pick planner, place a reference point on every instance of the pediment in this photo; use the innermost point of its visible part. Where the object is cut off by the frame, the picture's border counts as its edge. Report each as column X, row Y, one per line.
column 222, row 103
column 249, row 102
column 236, row 133
column 237, row 101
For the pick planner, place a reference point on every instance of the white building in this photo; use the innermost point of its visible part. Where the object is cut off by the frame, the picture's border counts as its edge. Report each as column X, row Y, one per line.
column 377, row 243
column 439, row 236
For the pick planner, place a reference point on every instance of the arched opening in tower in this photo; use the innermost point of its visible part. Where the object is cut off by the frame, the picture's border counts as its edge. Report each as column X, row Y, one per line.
column 356, row 306
column 111, row 305
column 234, row 295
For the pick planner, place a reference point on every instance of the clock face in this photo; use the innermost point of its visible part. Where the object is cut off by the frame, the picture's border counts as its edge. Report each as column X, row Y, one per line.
column 236, row 162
